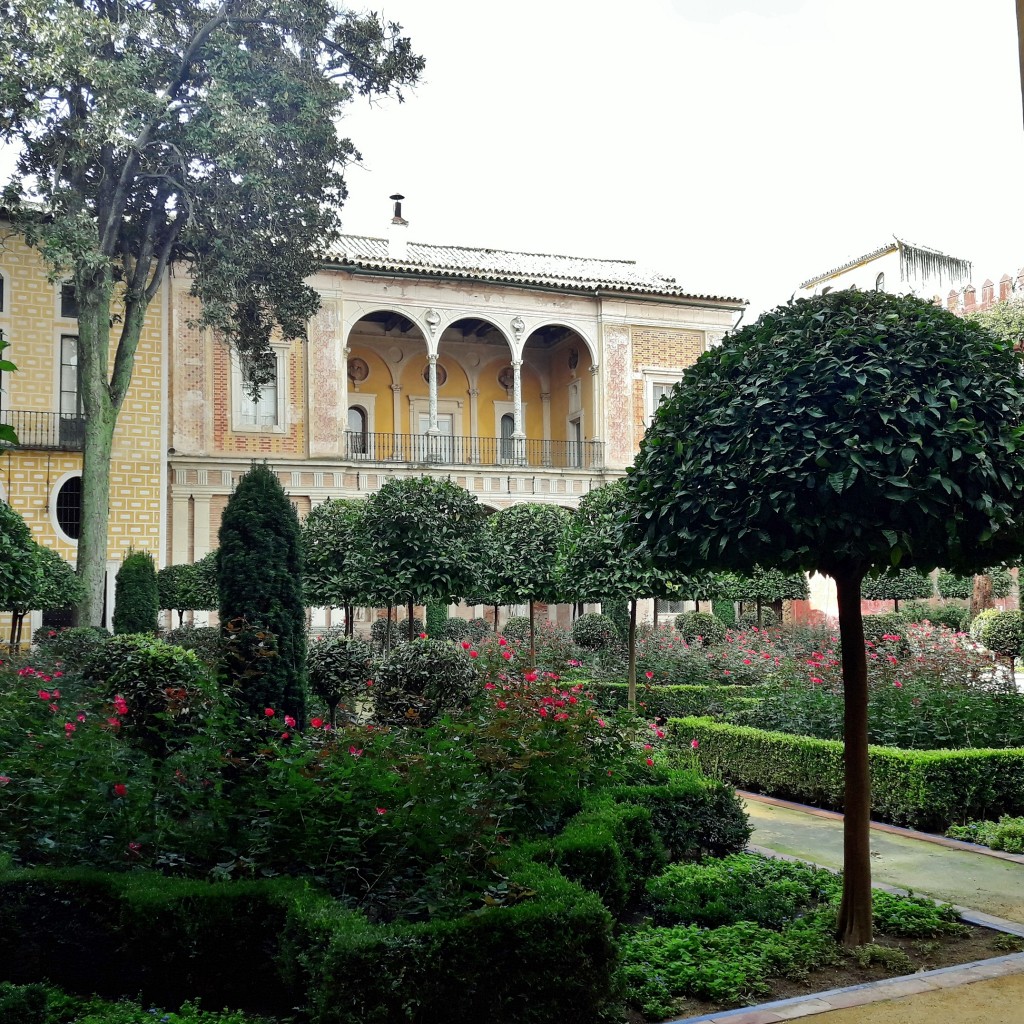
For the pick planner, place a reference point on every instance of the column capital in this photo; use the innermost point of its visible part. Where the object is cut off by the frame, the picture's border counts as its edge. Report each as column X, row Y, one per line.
column 396, row 389
column 594, row 368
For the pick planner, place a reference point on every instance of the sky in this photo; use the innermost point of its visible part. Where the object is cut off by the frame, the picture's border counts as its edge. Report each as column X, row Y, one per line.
column 741, row 146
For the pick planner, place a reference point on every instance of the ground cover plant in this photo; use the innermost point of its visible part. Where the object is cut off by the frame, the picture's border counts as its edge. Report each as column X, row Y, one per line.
column 726, row 930
column 1006, row 834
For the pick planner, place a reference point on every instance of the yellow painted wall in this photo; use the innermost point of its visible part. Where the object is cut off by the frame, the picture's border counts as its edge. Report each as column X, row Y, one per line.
column 33, row 326
column 377, row 384
column 491, row 391
column 561, row 377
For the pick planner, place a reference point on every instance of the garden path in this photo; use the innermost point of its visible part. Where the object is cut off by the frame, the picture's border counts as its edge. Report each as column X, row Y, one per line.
column 984, row 993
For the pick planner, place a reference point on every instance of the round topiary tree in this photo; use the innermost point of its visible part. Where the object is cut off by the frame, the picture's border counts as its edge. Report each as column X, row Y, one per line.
column 1001, row 632
column 259, row 573
column 594, row 632
column 896, row 585
column 18, row 568
column 51, row 585
column 339, row 667
column 136, row 595
column 329, row 541
column 422, row 679
column 844, row 433
column 702, row 627
column 763, row 587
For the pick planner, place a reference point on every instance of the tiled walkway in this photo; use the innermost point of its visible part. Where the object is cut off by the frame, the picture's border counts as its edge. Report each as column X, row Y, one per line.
column 986, row 992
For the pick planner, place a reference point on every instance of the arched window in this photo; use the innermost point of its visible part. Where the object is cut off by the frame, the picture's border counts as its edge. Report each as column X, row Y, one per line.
column 880, row 283
column 508, row 426
column 357, row 434
column 67, row 507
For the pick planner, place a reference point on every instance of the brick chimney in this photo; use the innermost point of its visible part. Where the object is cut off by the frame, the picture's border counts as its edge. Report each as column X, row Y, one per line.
column 397, row 238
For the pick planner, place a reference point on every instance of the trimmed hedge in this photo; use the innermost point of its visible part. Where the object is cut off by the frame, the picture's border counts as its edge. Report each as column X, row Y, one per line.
column 669, row 701
column 925, row 789
column 272, row 945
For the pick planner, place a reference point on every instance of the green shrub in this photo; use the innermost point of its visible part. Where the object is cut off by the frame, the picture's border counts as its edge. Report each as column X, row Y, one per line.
column 259, row 578
column 517, row 628
column 203, row 641
column 478, row 629
column 608, row 848
column 740, row 887
column 1006, row 834
column 694, row 626
column 693, row 816
column 594, row 632
column 72, row 646
column 278, row 944
column 136, row 599
column 725, row 612
column 978, row 623
column 164, row 687
column 914, row 917
column 618, row 612
column 1002, row 633
column 437, row 618
column 456, row 629
column 925, row 789
column 339, row 667
column 668, row 701
column 887, row 624
column 399, row 633
column 952, row 616
column 421, row 680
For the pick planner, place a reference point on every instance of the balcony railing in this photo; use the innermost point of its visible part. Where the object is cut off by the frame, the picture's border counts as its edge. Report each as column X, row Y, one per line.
column 56, row 431
column 444, row 449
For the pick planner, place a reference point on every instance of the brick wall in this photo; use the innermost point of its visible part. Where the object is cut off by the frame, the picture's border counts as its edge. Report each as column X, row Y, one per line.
column 662, row 347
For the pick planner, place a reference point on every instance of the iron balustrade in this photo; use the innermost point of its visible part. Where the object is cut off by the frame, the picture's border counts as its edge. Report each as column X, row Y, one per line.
column 449, row 450
column 57, row 431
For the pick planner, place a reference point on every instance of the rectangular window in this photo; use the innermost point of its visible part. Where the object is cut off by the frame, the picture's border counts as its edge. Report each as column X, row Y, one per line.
column 263, row 412
column 68, row 301
column 70, row 397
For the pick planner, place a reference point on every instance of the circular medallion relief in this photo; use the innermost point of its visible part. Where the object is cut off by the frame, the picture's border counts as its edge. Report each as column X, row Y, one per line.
column 442, row 374
column 507, row 377
column 358, row 370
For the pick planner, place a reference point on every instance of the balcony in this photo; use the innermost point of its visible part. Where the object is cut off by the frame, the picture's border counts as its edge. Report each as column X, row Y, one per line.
column 449, row 450
column 46, row 431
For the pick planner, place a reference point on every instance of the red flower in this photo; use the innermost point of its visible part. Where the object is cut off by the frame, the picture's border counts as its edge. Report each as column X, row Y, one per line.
column 502, row 642
column 695, row 744
column 81, row 716
column 650, row 675
column 601, row 722
column 316, row 722
column 507, row 655
column 501, row 704
column 120, row 789
column 489, row 686
column 898, row 685
column 114, row 723
column 382, row 810
column 355, row 751
column 650, row 762
column 269, row 712
column 530, row 677
column 44, row 695
column 69, row 728
column 289, row 721
column 466, row 645
column 4, row 779
column 474, row 654
column 285, row 736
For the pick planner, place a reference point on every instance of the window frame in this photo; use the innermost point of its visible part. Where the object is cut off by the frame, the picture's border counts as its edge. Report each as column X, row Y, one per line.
column 657, row 376
column 240, row 399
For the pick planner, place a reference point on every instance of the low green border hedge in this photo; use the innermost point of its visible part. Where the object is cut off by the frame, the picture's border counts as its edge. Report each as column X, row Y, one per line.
column 270, row 946
column 670, row 701
column 925, row 789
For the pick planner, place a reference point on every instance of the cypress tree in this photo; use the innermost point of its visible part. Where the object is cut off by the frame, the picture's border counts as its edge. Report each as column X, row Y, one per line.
column 259, row 576
column 136, row 595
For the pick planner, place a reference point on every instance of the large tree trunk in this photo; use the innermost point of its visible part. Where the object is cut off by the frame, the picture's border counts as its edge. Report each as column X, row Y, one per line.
column 101, row 402
column 631, row 684
column 981, row 594
column 854, row 925
column 409, row 631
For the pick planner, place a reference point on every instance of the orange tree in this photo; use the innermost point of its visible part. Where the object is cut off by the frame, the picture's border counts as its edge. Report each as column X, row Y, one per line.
column 843, row 433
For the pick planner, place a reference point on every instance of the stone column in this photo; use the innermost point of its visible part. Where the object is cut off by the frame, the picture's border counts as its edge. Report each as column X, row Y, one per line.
column 201, row 543
column 179, row 529
column 517, row 399
column 595, row 427
column 346, row 446
column 545, row 400
column 396, row 406
column 432, row 427
column 474, row 423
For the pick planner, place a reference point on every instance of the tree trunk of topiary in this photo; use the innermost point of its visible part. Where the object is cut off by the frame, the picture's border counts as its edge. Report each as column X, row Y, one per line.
column 854, row 925
column 981, row 594
column 631, row 686
column 409, row 631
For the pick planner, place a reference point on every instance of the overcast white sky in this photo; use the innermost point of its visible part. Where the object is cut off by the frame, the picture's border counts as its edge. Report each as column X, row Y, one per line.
column 740, row 145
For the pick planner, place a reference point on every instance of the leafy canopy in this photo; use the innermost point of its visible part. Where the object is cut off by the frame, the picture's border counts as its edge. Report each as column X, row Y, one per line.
column 896, row 585
column 526, row 540
column 330, row 536
column 838, row 433
column 419, row 541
